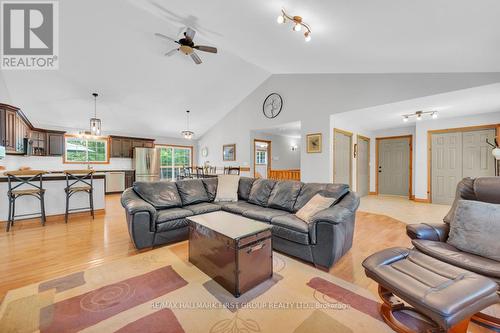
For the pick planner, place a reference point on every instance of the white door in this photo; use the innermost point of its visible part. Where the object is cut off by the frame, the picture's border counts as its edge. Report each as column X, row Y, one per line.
column 342, row 158
column 363, row 166
column 394, row 166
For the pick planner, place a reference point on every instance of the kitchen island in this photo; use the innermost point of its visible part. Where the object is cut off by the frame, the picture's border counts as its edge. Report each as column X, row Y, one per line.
column 55, row 197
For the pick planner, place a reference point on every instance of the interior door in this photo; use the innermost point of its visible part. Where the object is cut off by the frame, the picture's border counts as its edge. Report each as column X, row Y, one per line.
column 363, row 166
column 394, row 166
column 477, row 158
column 342, row 157
column 446, row 166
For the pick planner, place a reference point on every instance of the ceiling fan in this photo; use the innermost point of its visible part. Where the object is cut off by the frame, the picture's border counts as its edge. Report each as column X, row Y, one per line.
column 187, row 46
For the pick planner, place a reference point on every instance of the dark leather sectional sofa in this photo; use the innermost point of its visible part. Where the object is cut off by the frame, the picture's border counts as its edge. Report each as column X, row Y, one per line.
column 156, row 214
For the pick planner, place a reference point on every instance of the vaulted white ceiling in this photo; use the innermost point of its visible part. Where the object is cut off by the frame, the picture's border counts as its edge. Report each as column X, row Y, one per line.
column 108, row 46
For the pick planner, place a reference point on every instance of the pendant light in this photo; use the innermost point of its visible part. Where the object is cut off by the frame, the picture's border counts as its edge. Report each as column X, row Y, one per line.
column 95, row 123
column 187, row 133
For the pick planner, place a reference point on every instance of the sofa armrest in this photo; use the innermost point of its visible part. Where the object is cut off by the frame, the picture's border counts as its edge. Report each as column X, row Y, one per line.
column 428, row 231
column 134, row 204
column 340, row 212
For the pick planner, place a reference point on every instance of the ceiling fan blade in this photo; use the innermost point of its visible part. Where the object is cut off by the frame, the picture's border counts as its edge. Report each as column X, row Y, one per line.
column 166, row 37
column 196, row 58
column 190, row 33
column 204, row 48
column 171, row 52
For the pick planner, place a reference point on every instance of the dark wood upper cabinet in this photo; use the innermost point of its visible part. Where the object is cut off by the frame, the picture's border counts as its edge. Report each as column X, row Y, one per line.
column 124, row 146
column 116, row 147
column 55, row 144
column 10, row 131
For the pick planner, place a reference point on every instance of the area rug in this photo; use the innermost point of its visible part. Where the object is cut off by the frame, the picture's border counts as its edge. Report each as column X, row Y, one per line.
column 160, row 291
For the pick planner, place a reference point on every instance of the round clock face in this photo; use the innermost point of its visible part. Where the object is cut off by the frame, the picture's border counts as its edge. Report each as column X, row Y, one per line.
column 272, row 105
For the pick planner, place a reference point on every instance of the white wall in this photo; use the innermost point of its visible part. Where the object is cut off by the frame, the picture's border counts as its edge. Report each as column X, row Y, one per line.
column 421, row 156
column 312, row 98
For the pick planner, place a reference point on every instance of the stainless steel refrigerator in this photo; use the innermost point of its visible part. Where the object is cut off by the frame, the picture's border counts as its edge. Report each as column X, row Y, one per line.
column 146, row 164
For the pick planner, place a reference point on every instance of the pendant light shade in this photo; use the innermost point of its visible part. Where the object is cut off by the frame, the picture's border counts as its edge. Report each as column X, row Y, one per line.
column 95, row 123
column 187, row 133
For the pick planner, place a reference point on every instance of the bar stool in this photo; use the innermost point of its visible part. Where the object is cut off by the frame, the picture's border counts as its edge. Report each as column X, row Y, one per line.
column 79, row 181
column 25, row 177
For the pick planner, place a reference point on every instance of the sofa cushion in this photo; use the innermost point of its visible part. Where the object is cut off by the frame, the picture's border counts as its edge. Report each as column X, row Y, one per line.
column 227, row 188
column 260, row 192
column 314, row 206
column 172, row 214
column 211, row 187
column 290, row 221
column 284, row 195
column 171, row 225
column 475, row 228
column 450, row 254
column 291, row 235
column 203, row 208
column 238, row 207
column 244, row 187
column 192, row 191
column 160, row 194
column 263, row 214
column 328, row 190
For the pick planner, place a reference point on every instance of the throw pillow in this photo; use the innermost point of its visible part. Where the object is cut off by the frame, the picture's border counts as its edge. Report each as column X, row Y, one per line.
column 227, row 188
column 314, row 206
column 475, row 228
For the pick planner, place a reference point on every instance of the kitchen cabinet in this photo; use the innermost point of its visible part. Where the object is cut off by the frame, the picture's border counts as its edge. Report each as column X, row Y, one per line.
column 129, row 178
column 38, row 143
column 55, row 143
column 21, row 132
column 2, row 127
column 10, row 131
column 124, row 146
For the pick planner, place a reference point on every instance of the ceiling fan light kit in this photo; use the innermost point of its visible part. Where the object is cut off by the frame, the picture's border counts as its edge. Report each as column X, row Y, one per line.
column 187, row 46
column 297, row 22
column 420, row 115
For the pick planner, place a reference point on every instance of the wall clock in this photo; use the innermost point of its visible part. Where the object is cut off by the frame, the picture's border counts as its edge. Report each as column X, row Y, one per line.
column 272, row 105
column 204, row 152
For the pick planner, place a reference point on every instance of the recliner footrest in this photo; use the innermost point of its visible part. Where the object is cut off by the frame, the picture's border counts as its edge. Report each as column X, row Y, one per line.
column 446, row 294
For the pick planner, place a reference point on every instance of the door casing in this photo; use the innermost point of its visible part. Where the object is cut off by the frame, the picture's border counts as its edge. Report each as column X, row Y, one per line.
column 367, row 139
column 269, row 156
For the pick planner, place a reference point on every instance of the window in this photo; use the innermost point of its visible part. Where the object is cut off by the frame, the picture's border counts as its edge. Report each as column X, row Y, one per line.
column 85, row 150
column 173, row 159
column 261, row 157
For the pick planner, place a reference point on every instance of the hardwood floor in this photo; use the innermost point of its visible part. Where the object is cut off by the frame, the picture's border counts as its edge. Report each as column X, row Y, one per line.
column 32, row 253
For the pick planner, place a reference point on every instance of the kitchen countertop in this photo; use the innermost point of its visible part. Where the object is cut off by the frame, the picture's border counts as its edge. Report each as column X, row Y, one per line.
column 54, row 176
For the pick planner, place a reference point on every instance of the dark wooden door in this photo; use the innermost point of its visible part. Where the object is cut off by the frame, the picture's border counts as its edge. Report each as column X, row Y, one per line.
column 116, row 147
column 55, row 144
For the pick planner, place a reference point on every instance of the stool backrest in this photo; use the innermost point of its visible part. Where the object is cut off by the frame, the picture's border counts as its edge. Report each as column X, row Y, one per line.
column 25, row 177
column 74, row 177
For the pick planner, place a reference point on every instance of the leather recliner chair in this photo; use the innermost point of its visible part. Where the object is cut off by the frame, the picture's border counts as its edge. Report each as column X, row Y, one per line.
column 430, row 238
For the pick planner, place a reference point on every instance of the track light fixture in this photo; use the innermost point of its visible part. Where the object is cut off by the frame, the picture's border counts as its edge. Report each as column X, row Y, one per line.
column 420, row 115
column 297, row 22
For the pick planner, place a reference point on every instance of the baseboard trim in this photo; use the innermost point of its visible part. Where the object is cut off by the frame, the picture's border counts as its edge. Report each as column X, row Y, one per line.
column 372, row 193
column 51, row 218
column 422, row 200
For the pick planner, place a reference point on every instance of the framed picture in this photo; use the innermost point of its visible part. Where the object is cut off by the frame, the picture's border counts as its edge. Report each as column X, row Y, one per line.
column 229, row 152
column 314, row 143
